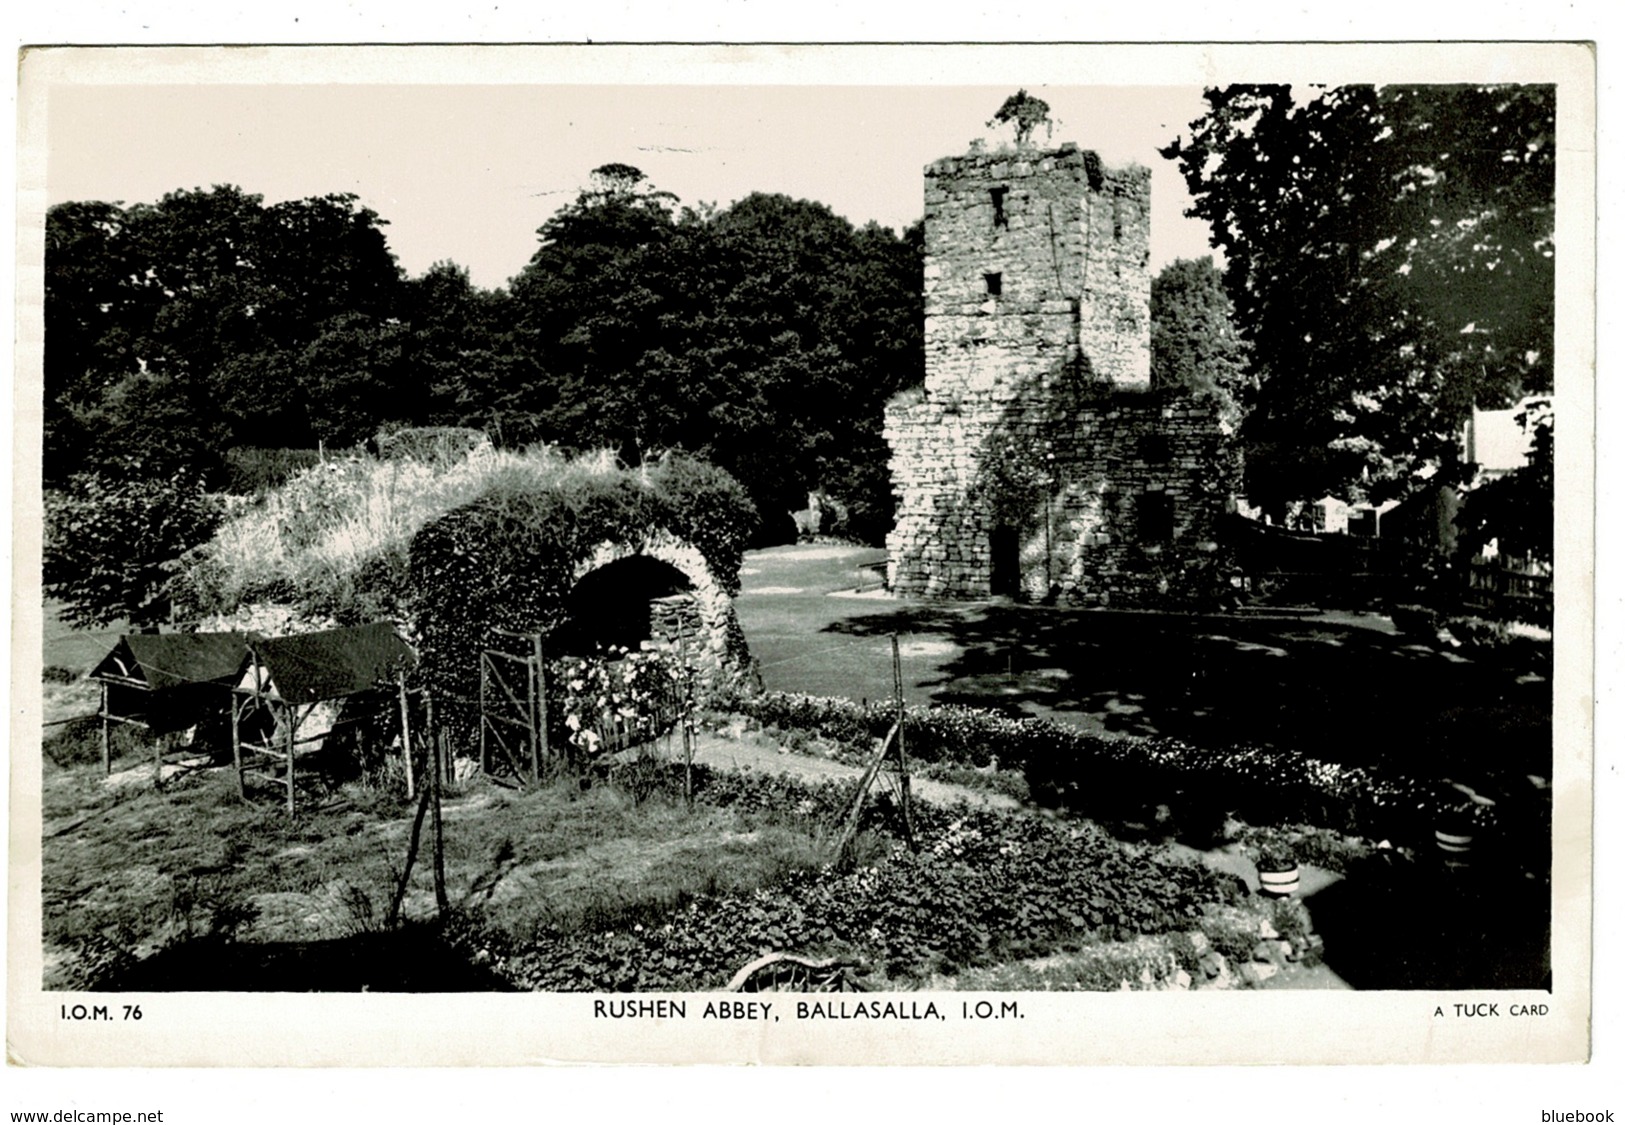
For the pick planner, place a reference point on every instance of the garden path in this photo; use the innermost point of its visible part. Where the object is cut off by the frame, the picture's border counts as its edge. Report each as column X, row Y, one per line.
column 763, row 755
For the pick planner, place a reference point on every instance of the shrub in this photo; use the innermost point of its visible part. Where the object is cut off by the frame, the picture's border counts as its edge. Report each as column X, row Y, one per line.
column 111, row 545
column 1123, row 777
column 253, row 471
column 79, row 742
column 710, row 509
column 1322, row 847
column 1232, row 932
column 1514, row 644
column 1005, row 782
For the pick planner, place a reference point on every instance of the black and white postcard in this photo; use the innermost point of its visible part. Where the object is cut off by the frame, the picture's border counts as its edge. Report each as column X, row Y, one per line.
column 797, row 554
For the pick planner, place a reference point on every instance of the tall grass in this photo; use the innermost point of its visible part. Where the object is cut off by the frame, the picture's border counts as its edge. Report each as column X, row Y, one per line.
column 333, row 540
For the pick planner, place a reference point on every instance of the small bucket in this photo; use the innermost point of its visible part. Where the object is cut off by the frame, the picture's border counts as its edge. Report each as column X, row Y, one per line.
column 1278, row 884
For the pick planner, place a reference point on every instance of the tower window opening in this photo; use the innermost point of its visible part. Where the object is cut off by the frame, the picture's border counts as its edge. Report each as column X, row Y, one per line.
column 995, row 284
column 998, row 195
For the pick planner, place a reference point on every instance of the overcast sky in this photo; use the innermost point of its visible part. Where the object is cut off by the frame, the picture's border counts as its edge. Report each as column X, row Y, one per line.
column 469, row 172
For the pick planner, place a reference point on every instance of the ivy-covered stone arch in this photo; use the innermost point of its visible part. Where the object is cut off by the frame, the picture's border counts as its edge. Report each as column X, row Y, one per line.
column 698, row 619
column 510, row 558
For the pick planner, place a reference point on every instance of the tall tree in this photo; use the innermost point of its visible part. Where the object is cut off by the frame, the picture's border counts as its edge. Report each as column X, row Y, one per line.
column 458, row 362
column 1194, row 342
column 765, row 336
column 589, row 308
column 193, row 313
column 1390, row 257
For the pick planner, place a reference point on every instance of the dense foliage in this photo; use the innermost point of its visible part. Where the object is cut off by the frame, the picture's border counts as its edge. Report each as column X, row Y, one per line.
column 1194, row 342
column 111, row 545
column 1390, row 255
column 507, row 559
column 764, row 337
column 1196, row 788
column 176, row 329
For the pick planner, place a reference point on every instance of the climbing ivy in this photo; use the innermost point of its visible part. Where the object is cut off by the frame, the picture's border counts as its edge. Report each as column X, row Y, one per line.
column 508, row 558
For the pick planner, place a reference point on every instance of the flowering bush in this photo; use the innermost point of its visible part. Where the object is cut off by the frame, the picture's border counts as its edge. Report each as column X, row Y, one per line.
column 1116, row 777
column 619, row 700
column 1273, row 853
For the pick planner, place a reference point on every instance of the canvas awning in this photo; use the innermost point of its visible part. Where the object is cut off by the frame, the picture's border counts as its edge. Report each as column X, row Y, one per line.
column 328, row 665
column 169, row 681
column 158, row 661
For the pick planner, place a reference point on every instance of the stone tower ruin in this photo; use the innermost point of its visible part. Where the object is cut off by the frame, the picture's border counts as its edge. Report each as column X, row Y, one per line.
column 1038, row 461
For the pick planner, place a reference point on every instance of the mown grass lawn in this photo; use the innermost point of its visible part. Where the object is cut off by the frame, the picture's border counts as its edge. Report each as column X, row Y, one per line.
column 1343, row 686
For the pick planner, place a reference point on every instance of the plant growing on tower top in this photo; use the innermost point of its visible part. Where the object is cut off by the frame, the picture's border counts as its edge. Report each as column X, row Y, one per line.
column 1027, row 112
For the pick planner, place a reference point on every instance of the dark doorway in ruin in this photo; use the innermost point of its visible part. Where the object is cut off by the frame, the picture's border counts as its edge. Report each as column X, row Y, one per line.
column 611, row 607
column 1005, row 579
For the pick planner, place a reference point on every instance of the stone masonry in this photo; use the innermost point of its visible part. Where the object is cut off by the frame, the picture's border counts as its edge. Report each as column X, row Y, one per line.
column 1038, row 462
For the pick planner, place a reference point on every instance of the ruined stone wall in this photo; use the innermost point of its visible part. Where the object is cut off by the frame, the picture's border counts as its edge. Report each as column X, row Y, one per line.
column 1065, row 241
column 1075, row 496
column 1036, row 462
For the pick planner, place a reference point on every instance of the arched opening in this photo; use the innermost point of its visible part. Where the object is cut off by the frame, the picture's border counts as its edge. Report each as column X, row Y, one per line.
column 620, row 605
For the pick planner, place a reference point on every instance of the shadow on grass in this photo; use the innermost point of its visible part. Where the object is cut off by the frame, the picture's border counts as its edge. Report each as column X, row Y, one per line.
column 1340, row 690
column 1437, row 930
column 411, row 959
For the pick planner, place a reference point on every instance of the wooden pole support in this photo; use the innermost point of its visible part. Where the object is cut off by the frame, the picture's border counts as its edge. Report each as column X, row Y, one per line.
column 293, row 725
column 684, row 716
column 237, row 743
column 843, row 854
column 902, row 756
column 411, row 859
column 406, row 740
column 541, row 697
column 441, row 901
column 107, row 738
column 485, row 761
column 429, row 733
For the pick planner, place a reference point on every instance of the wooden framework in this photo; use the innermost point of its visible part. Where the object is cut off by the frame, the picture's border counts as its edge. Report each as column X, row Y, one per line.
column 105, row 714
column 514, row 721
column 275, row 756
column 844, row 853
column 177, row 679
